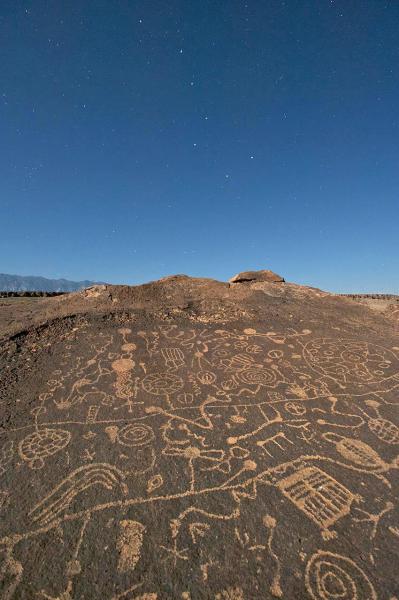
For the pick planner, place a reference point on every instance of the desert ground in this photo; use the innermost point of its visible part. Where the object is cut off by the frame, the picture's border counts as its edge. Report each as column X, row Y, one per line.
column 192, row 439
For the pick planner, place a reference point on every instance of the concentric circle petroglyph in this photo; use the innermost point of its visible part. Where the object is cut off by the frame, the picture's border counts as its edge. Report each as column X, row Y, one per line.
column 135, row 435
column 258, row 376
column 330, row 576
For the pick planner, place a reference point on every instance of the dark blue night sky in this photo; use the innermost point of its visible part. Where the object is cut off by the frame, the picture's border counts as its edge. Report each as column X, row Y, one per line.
column 140, row 139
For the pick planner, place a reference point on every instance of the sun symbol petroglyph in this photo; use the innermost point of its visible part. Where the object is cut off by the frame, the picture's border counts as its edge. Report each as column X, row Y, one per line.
column 40, row 444
column 162, row 383
column 350, row 360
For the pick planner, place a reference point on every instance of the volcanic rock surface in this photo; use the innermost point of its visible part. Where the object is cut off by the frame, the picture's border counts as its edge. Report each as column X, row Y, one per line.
column 192, row 439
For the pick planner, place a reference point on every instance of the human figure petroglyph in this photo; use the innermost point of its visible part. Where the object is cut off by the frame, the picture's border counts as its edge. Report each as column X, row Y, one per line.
column 363, row 516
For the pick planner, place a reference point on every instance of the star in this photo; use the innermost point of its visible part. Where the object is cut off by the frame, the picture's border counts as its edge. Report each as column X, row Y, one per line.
column 174, row 553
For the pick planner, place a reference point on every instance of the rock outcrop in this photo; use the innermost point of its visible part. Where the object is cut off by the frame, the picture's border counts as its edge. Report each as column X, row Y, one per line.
column 256, row 276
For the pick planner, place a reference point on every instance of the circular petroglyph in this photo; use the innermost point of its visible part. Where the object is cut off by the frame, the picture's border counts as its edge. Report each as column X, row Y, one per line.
column 129, row 347
column 124, row 330
column 123, row 365
column 257, row 376
column 351, row 361
column 135, row 435
column 206, row 377
column 40, row 444
column 330, row 576
column 162, row 383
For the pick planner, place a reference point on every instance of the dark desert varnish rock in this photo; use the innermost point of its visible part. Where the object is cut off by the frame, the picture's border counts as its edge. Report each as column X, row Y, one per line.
column 190, row 439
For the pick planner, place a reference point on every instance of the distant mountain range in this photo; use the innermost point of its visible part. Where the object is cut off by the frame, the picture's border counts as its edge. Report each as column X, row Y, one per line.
column 20, row 283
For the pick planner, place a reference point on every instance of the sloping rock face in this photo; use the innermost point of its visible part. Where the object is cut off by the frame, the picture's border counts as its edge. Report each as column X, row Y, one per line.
column 188, row 439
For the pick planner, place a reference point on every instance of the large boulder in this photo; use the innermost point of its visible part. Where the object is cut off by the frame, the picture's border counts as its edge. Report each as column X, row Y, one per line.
column 263, row 275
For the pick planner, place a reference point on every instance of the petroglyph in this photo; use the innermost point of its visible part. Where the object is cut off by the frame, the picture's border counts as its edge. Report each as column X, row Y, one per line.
column 173, row 357
column 200, row 459
column 76, row 483
column 162, row 383
column 40, row 444
column 330, row 575
column 314, row 492
column 129, row 544
column 135, row 435
column 275, row 588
